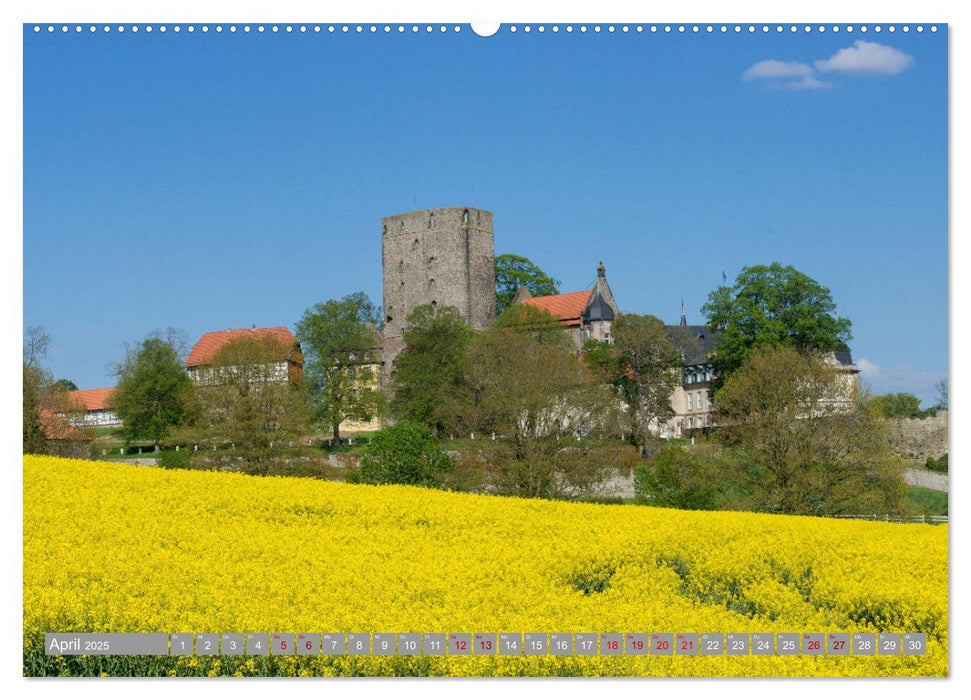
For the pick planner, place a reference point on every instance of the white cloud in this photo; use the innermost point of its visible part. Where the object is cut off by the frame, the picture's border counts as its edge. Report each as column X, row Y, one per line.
column 808, row 82
column 868, row 369
column 777, row 69
column 866, row 57
column 886, row 380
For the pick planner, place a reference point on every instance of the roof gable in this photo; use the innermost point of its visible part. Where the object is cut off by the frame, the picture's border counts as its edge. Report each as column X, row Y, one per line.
column 205, row 349
column 598, row 309
column 694, row 342
column 93, row 399
column 566, row 307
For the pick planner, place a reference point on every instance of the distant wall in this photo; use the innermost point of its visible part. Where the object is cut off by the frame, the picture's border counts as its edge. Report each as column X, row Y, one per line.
column 919, row 438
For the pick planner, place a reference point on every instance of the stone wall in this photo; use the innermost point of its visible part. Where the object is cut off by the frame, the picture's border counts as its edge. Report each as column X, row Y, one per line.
column 919, row 438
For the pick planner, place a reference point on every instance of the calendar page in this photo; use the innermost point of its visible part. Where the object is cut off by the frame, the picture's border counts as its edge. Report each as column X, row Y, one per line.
column 544, row 349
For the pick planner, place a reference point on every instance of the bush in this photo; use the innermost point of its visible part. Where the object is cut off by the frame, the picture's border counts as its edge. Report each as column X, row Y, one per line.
column 405, row 453
column 174, row 460
column 901, row 406
column 675, row 479
column 937, row 465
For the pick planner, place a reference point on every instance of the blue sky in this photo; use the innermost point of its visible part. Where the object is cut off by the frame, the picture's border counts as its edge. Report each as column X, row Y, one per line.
column 211, row 181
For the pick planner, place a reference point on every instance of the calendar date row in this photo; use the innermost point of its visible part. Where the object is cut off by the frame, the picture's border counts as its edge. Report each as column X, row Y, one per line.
column 488, row 644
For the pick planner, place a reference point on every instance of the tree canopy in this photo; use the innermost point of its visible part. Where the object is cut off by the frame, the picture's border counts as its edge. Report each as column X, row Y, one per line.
column 539, row 398
column 36, row 388
column 900, row 405
column 64, row 385
column 338, row 338
column 539, row 324
column 644, row 366
column 244, row 401
column 674, row 478
column 772, row 305
column 808, row 445
column 405, row 453
column 427, row 380
column 515, row 271
column 153, row 390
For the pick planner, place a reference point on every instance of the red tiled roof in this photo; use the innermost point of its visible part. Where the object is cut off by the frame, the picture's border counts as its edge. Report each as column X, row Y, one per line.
column 55, row 428
column 209, row 344
column 566, row 307
column 93, row 399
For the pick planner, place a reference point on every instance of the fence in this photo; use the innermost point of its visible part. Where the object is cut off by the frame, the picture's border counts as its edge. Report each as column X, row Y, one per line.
column 149, row 451
column 927, row 519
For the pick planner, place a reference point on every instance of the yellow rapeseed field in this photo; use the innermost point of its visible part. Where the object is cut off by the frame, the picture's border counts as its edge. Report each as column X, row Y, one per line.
column 119, row 548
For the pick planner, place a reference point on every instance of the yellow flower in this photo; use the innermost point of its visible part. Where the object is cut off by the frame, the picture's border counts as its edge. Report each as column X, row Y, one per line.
column 121, row 548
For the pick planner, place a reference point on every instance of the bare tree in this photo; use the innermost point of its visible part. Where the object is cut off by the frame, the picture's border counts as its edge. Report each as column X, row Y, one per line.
column 941, row 387
column 36, row 345
column 36, row 387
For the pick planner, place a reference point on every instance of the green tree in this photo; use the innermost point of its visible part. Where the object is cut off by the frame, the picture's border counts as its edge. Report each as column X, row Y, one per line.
column 34, row 390
column 244, row 401
column 771, row 305
column 64, row 385
column 808, row 445
column 644, row 366
column 538, row 399
column 405, row 453
column 900, row 405
column 153, row 390
column 427, row 378
column 539, row 324
column 515, row 271
column 673, row 478
column 937, row 465
column 340, row 343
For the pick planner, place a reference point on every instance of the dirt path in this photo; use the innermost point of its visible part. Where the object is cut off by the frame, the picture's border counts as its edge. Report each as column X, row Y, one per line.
column 926, row 479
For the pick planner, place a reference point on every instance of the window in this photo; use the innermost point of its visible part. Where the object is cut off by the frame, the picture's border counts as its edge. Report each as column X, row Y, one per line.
column 690, row 407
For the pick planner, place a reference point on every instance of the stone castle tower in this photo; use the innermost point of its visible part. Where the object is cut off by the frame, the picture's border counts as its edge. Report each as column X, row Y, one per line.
column 442, row 257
